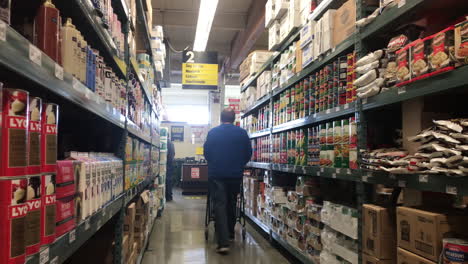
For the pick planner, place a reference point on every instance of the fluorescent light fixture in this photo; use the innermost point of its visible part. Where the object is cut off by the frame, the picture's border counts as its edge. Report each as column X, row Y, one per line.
column 205, row 20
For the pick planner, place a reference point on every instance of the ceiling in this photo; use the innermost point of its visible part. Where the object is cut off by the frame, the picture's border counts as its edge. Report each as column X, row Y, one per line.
column 179, row 20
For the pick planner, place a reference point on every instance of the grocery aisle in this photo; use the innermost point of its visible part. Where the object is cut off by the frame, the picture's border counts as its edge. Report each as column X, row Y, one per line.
column 178, row 238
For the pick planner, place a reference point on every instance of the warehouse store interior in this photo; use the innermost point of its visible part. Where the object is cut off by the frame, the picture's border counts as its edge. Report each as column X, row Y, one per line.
column 140, row 131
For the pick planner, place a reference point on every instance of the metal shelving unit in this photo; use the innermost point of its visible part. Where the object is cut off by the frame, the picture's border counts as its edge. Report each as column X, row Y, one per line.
column 66, row 245
column 361, row 180
column 15, row 57
column 20, row 58
column 277, row 238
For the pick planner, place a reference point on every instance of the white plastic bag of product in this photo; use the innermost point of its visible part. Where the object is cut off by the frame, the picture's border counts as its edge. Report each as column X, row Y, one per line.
column 377, row 82
column 460, row 136
column 449, row 124
column 369, row 58
column 366, row 78
column 367, row 67
column 374, row 90
column 445, row 138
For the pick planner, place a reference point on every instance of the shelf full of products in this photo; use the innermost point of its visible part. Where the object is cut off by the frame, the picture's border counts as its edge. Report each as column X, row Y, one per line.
column 76, row 93
column 366, row 122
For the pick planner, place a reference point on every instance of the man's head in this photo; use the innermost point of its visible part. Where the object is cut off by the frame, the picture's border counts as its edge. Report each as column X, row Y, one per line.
column 228, row 116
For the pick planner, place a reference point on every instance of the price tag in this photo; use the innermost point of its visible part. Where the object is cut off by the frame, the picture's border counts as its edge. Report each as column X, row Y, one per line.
column 338, row 170
column 346, row 106
column 88, row 94
column 322, row 170
column 337, row 109
column 75, row 84
column 423, row 178
column 318, row 174
column 451, row 190
column 401, row 184
column 54, row 260
column 402, row 90
column 44, row 256
column 87, row 225
column 107, row 108
column 364, row 101
column 3, row 28
column 401, row 3
column 103, row 211
column 328, row 111
column 72, row 236
column 35, row 54
column 58, row 72
column 297, row 74
column 315, row 115
column 365, row 178
column 348, row 171
column 334, row 175
column 97, row 98
column 99, row 223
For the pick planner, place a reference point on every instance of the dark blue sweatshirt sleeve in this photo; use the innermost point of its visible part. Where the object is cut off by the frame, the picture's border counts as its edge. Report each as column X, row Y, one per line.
column 248, row 148
column 207, row 148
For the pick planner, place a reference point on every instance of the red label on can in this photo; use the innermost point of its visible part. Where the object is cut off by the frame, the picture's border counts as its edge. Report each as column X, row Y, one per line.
column 48, row 210
column 12, row 222
column 14, row 133
column 34, row 136
column 49, row 138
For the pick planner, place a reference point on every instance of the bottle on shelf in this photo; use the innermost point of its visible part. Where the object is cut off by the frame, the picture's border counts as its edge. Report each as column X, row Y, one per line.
column 47, row 30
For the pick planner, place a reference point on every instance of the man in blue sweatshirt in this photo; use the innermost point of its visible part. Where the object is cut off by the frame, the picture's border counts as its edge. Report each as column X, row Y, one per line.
column 227, row 149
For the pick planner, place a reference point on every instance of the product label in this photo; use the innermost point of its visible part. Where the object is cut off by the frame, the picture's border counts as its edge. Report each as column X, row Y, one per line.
column 17, row 229
column 455, row 253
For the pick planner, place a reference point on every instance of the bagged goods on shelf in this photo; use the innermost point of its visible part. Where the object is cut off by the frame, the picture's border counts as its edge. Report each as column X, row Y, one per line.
column 33, row 217
column 461, row 42
column 13, row 200
column 14, row 132
column 47, row 30
column 384, row 5
column 421, row 231
column 341, row 218
column 339, row 245
column 443, row 148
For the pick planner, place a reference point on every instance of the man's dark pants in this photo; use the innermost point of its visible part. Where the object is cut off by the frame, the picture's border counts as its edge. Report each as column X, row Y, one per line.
column 224, row 197
column 169, row 171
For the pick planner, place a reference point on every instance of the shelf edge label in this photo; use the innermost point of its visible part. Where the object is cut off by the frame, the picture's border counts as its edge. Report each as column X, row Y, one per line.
column 3, row 28
column 58, row 72
column 44, row 256
column 35, row 54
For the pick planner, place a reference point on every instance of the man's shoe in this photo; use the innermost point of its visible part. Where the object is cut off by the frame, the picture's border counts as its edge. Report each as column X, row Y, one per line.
column 222, row 250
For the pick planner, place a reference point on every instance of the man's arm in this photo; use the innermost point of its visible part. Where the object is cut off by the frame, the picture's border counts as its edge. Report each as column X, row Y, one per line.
column 247, row 148
column 207, row 147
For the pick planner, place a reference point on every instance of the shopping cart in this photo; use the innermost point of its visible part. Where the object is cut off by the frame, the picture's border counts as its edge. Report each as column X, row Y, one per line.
column 240, row 207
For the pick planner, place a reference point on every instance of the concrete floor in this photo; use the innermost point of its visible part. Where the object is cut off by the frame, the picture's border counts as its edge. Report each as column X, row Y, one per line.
column 178, row 238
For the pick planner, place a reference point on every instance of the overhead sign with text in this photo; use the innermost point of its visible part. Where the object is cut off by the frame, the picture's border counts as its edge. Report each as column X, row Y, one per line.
column 199, row 70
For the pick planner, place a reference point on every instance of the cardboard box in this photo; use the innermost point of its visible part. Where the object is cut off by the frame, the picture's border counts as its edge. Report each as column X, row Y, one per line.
column 406, row 257
column 366, row 259
column 421, row 232
column 273, row 35
column 281, row 7
column 307, row 33
column 298, row 57
column 307, row 55
column 344, row 22
column 129, row 223
column 378, row 227
column 269, row 13
column 125, row 247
